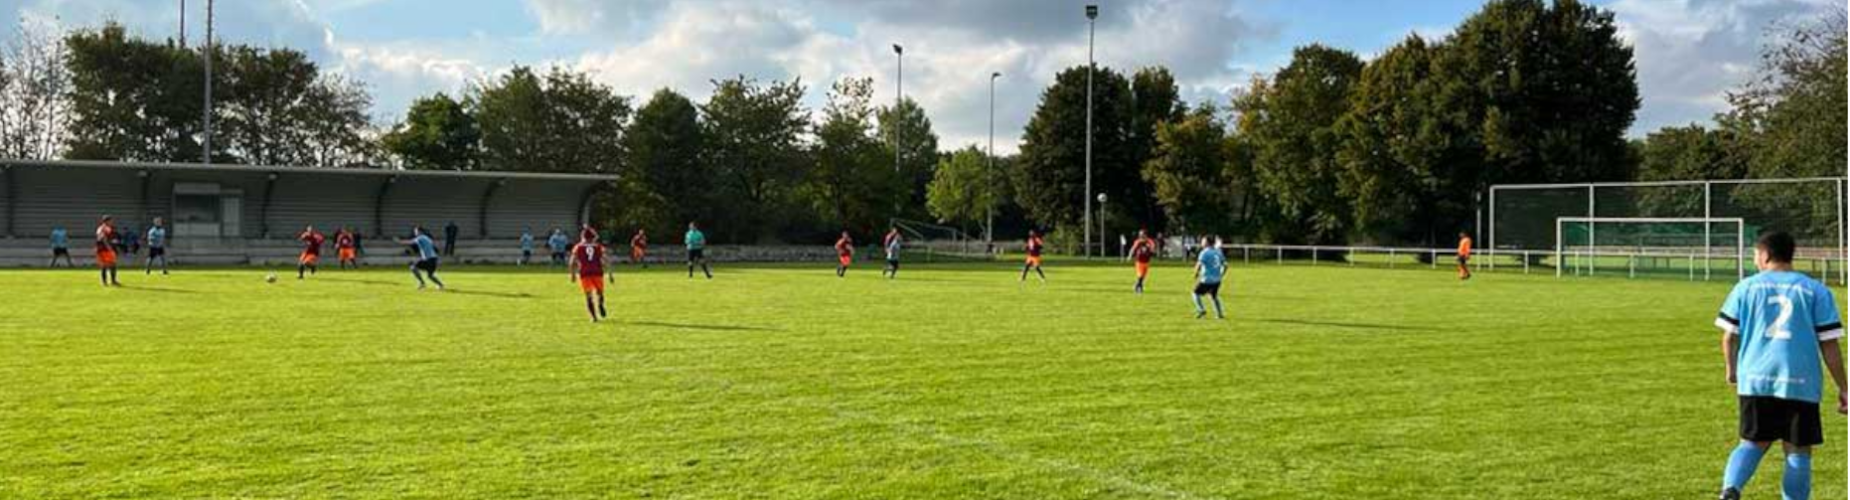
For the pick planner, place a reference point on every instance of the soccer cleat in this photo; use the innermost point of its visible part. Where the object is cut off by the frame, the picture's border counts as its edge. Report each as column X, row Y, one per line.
column 1730, row 494
column 1201, row 314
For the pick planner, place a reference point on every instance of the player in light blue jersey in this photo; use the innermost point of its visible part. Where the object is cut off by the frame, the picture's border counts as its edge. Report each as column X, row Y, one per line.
column 157, row 247
column 426, row 265
column 696, row 242
column 1778, row 327
column 61, row 247
column 1210, row 268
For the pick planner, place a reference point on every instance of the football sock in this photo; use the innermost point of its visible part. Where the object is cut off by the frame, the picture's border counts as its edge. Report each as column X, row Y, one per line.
column 1798, row 476
column 1741, row 465
column 1217, row 310
column 590, row 307
column 1139, row 285
column 601, row 311
column 1198, row 307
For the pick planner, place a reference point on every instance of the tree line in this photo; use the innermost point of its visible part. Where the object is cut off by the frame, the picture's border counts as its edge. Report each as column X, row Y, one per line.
column 1329, row 149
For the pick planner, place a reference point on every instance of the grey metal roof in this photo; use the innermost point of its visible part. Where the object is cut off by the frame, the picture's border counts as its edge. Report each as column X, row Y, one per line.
column 479, row 174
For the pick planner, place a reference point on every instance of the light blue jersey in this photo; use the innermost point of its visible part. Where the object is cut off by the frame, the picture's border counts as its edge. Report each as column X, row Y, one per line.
column 60, row 239
column 558, row 242
column 1213, row 265
column 427, row 249
column 157, row 237
column 1780, row 317
column 696, row 240
column 526, row 242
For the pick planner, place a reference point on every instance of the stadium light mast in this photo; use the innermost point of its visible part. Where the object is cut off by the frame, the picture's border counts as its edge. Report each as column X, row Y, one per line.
column 1091, row 33
column 206, row 138
column 899, row 95
column 989, row 217
column 182, row 24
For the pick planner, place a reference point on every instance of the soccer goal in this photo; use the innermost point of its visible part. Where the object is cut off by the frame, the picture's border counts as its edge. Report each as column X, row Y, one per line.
column 939, row 242
column 1696, row 246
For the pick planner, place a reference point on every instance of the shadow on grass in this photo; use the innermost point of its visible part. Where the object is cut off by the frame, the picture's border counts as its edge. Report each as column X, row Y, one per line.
column 1360, row 326
column 362, row 282
column 139, row 288
column 503, row 295
column 710, row 328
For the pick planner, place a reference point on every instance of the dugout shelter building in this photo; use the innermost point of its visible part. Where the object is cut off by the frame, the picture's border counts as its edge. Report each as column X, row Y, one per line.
column 245, row 214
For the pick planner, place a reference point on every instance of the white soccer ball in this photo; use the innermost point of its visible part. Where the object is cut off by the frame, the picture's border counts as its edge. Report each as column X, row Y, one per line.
column 270, row 279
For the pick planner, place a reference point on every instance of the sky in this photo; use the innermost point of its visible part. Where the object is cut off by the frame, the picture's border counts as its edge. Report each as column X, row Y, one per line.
column 1688, row 52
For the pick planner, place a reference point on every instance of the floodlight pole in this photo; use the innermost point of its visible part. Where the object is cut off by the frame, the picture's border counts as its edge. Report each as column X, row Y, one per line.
column 206, row 138
column 899, row 95
column 989, row 218
column 1091, row 34
column 182, row 24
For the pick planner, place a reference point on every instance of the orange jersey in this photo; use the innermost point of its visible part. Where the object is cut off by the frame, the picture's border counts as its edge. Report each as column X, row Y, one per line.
column 844, row 247
column 1464, row 247
column 1143, row 250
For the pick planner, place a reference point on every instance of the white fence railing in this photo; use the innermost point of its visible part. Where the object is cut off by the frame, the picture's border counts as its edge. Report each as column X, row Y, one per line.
column 1693, row 264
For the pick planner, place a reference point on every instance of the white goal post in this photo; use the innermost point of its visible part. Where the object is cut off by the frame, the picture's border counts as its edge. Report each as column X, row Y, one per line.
column 1590, row 252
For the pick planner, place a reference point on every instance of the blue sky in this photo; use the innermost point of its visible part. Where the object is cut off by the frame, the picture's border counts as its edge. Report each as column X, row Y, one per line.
column 1689, row 51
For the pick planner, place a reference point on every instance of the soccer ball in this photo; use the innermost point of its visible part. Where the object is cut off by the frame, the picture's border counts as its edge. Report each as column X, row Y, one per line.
column 270, row 279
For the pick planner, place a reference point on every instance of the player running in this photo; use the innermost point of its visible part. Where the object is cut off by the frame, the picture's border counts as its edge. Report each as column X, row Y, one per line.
column 893, row 243
column 1142, row 250
column 427, row 257
column 1464, row 255
column 1210, row 267
column 696, row 242
column 588, row 261
column 310, row 259
column 157, row 247
column 1777, row 326
column 346, row 249
column 61, row 247
column 1034, row 248
column 844, row 252
column 639, row 248
column 105, row 250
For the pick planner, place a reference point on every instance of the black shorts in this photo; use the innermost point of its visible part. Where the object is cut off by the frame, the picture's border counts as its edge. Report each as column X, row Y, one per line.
column 1463, row 260
column 1207, row 289
column 426, row 265
column 1766, row 419
column 60, row 252
column 156, row 252
column 694, row 254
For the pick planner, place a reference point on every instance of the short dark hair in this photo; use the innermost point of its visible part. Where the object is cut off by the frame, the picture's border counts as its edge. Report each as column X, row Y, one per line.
column 1778, row 246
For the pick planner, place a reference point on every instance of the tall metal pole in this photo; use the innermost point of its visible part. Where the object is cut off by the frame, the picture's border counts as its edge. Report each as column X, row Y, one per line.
column 1091, row 34
column 899, row 95
column 182, row 24
column 207, row 137
column 989, row 219
column 1708, row 240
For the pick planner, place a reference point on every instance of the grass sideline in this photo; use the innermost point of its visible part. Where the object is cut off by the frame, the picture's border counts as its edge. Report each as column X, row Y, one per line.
column 785, row 382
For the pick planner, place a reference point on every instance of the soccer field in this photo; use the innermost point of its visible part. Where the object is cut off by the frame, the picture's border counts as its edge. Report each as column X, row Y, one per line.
column 954, row 381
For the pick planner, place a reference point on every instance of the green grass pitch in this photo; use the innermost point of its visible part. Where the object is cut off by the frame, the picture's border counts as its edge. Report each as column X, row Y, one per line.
column 954, row 381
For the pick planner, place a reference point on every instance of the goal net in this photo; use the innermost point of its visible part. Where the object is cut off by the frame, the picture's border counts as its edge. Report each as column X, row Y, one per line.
column 1522, row 223
column 1631, row 246
column 933, row 242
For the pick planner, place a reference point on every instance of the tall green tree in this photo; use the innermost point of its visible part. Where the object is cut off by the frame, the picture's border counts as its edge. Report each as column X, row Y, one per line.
column 1050, row 177
column 754, row 136
column 131, row 99
column 965, row 188
column 264, row 94
column 1400, row 164
column 1546, row 90
column 438, row 134
column 664, row 175
column 852, row 183
column 1187, row 170
column 1155, row 100
column 1291, row 127
column 1792, row 117
column 557, row 122
column 918, row 152
column 1691, row 152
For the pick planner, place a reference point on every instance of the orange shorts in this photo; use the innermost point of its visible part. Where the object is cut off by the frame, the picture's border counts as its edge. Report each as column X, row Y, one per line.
column 591, row 284
column 309, row 259
column 106, row 258
column 346, row 254
column 1143, row 269
column 847, row 260
column 1034, row 260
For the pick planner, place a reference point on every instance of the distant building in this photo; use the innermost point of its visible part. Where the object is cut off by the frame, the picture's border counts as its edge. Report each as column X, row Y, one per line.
column 234, row 214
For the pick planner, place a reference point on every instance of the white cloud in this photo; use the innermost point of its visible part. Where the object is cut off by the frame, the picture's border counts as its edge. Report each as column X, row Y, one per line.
column 1690, row 53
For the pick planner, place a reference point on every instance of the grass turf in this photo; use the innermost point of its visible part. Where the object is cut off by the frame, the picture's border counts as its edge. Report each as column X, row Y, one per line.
column 785, row 382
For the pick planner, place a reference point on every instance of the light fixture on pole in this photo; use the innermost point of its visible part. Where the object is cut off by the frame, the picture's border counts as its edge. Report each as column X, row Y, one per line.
column 1091, row 32
column 989, row 218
